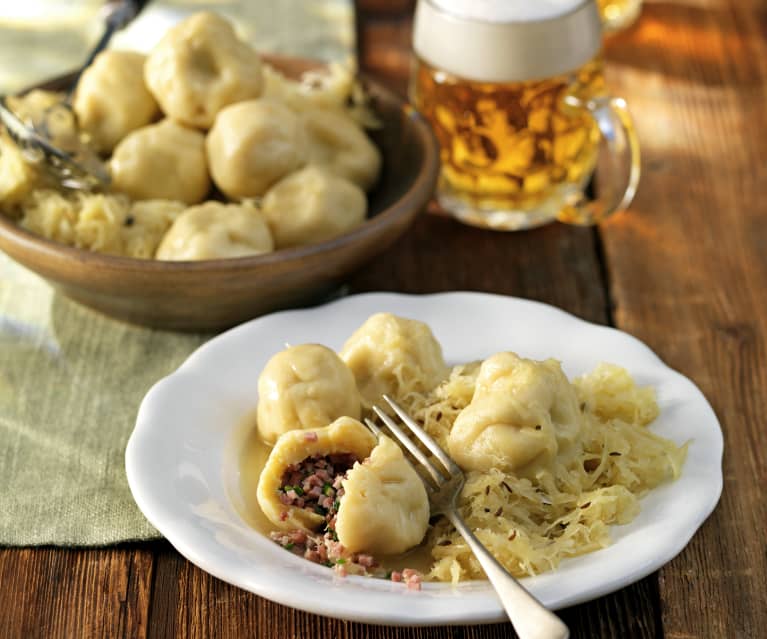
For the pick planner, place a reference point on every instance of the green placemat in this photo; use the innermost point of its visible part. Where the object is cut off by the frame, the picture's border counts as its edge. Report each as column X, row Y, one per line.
column 71, row 380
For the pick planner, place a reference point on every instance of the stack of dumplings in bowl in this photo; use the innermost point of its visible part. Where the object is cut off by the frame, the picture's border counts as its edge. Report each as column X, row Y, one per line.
column 212, row 154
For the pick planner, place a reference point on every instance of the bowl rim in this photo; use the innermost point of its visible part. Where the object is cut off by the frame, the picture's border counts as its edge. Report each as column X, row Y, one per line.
column 416, row 196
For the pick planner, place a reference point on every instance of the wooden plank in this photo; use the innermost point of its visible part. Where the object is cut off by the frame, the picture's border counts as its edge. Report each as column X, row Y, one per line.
column 553, row 264
column 56, row 592
column 688, row 274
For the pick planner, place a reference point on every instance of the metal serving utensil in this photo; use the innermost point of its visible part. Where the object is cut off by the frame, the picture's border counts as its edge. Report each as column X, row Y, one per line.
column 67, row 159
column 530, row 618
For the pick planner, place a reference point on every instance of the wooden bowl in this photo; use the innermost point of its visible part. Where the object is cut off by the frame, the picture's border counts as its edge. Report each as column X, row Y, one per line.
column 216, row 294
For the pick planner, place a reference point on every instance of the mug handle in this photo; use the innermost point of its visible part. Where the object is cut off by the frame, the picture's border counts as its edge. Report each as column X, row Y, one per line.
column 616, row 127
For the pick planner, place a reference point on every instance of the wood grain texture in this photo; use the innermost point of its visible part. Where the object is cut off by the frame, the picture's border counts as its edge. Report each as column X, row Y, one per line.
column 688, row 274
column 56, row 592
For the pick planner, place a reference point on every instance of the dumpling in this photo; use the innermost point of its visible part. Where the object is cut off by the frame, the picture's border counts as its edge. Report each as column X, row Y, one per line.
column 341, row 478
column 215, row 230
column 384, row 509
column 164, row 161
column 522, row 411
column 146, row 224
column 336, row 142
column 252, row 145
column 306, row 386
column 390, row 354
column 199, row 67
column 309, row 458
column 312, row 205
column 112, row 99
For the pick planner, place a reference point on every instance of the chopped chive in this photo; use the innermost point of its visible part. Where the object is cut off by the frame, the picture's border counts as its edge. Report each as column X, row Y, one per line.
column 326, row 489
column 299, row 490
column 336, row 504
column 289, row 545
column 287, row 488
column 341, row 560
column 320, row 510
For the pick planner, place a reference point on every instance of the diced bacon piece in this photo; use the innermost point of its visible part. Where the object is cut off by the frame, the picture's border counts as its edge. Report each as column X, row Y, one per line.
column 298, row 537
column 366, row 560
column 413, row 584
column 413, row 578
column 312, row 555
column 314, row 480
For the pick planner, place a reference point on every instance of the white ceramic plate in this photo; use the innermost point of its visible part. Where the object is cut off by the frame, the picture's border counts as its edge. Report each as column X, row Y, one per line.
column 182, row 466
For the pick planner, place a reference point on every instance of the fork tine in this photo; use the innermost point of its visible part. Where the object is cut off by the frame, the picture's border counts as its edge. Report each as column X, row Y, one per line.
column 373, row 427
column 408, row 443
column 425, row 438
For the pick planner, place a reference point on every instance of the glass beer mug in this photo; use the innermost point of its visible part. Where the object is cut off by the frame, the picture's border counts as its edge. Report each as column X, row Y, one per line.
column 515, row 93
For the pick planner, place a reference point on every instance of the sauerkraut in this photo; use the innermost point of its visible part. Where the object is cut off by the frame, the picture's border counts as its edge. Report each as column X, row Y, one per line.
column 566, row 507
column 103, row 223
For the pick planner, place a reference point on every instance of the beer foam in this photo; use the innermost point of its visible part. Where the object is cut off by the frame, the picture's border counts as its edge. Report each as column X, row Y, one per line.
column 507, row 40
column 508, row 10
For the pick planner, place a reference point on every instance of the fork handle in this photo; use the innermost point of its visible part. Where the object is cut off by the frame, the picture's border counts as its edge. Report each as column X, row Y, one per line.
column 530, row 618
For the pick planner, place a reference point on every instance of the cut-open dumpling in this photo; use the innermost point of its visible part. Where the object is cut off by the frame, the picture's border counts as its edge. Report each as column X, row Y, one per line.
column 385, row 509
column 309, row 475
column 163, row 161
column 315, row 462
column 199, row 67
column 521, row 414
column 215, row 230
column 305, row 386
column 393, row 355
column 112, row 99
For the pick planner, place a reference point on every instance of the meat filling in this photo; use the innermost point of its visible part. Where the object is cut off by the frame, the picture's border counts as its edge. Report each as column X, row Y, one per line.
column 316, row 484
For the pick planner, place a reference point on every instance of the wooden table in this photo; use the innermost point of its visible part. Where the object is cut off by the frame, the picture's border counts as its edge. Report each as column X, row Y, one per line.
column 685, row 271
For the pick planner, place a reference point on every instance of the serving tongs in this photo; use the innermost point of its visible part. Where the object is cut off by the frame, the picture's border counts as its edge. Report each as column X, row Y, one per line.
column 53, row 140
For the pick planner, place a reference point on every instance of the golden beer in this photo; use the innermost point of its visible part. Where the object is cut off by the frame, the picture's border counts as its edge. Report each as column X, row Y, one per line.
column 516, row 96
column 619, row 14
column 510, row 146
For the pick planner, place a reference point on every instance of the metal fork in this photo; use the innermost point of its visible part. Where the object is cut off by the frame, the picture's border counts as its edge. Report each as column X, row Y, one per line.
column 77, row 167
column 530, row 618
